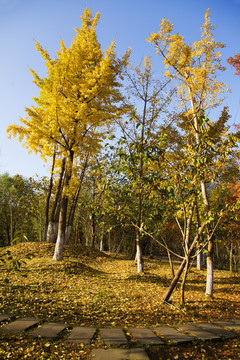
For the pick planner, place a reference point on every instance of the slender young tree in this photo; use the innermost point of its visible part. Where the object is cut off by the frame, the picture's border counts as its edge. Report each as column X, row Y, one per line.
column 147, row 94
column 194, row 68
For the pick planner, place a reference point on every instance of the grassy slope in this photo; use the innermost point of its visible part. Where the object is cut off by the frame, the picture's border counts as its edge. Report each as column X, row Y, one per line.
column 92, row 288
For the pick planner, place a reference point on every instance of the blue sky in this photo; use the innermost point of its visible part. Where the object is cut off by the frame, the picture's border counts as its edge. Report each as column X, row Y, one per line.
column 128, row 22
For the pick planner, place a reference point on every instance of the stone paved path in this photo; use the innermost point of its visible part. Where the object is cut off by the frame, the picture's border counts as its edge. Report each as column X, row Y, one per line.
column 229, row 325
column 20, row 325
column 173, row 335
column 146, row 337
column 119, row 354
column 113, row 336
column 82, row 335
column 198, row 332
column 49, row 330
column 217, row 330
column 5, row 317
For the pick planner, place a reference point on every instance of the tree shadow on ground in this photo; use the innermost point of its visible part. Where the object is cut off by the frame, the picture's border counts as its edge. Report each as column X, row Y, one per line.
column 232, row 280
column 78, row 268
column 226, row 290
column 150, row 278
column 70, row 268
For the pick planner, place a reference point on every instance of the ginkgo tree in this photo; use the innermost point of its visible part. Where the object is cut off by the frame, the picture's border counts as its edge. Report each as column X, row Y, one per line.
column 186, row 163
column 78, row 99
column 194, row 70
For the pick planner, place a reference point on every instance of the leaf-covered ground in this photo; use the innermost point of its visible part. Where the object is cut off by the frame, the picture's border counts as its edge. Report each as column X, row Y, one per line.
column 93, row 288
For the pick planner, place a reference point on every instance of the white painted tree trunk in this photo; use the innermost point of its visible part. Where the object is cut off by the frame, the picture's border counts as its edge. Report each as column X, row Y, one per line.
column 138, row 257
column 101, row 245
column 58, row 253
column 52, row 231
column 209, row 282
column 199, row 261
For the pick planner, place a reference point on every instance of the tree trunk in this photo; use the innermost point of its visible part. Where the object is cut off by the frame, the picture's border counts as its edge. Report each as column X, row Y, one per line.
column 138, row 257
column 58, row 254
column 93, row 240
column 187, row 250
column 74, row 202
column 109, row 242
column 121, row 242
column 204, row 258
column 68, row 234
column 52, row 231
column 199, row 256
column 199, row 261
column 101, row 244
column 48, row 199
column 174, row 281
column 53, row 220
column 182, row 266
column 210, row 251
column 76, row 240
column 231, row 257
column 170, row 263
column 184, row 282
column 209, row 283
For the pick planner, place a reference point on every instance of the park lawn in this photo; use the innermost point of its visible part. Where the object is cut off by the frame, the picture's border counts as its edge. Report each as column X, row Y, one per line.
column 97, row 289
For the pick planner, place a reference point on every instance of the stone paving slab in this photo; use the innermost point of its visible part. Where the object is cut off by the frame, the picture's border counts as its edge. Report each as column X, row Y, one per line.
column 20, row 325
column 173, row 335
column 217, row 330
column 198, row 332
column 119, row 354
column 145, row 336
column 113, row 336
column 230, row 325
column 5, row 317
column 82, row 335
column 49, row 330
column 223, row 323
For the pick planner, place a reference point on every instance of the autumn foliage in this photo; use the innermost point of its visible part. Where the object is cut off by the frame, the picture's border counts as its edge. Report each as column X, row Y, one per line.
column 140, row 169
column 235, row 62
column 85, row 290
